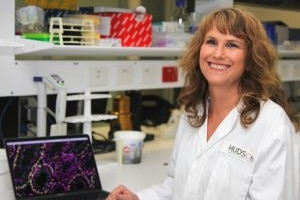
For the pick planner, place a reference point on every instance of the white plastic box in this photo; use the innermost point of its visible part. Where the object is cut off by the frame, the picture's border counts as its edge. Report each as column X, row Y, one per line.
column 170, row 39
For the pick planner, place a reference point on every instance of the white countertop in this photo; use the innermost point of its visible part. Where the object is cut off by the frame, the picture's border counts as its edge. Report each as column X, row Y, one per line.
column 152, row 169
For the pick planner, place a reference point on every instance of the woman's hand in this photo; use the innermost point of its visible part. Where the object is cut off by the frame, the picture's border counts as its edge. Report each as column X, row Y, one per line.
column 122, row 193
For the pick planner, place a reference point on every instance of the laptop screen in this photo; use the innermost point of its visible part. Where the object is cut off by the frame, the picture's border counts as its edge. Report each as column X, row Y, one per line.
column 52, row 165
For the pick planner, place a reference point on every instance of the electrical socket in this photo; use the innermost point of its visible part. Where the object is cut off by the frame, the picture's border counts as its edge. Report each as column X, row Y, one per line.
column 98, row 76
column 149, row 75
column 125, row 75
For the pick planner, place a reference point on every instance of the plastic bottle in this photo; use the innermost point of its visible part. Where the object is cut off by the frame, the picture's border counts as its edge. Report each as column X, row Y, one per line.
column 193, row 16
column 181, row 16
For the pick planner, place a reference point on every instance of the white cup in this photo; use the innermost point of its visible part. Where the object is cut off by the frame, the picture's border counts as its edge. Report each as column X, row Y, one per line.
column 129, row 146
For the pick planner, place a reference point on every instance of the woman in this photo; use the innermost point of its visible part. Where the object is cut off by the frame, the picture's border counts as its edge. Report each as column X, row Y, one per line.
column 237, row 139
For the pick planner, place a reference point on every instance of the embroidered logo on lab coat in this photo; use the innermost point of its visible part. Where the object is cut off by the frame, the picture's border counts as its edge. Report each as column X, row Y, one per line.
column 238, row 152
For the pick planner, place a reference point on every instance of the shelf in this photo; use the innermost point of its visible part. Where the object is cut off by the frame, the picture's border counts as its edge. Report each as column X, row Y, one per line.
column 10, row 45
column 109, row 51
column 7, row 48
column 289, row 53
column 91, row 96
column 37, row 48
column 83, row 119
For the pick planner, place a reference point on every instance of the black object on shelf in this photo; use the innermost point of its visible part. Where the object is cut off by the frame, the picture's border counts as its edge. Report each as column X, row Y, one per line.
column 149, row 137
column 190, row 6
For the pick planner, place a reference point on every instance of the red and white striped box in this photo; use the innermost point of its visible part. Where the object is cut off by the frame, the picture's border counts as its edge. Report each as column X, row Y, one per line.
column 134, row 30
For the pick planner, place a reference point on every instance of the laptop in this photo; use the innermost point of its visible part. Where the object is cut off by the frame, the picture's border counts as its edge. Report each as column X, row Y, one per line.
column 53, row 167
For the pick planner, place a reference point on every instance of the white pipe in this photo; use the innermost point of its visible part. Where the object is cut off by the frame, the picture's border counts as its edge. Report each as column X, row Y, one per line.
column 41, row 110
column 87, row 125
column 60, row 108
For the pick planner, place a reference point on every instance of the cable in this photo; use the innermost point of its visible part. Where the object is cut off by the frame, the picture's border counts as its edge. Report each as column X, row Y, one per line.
column 98, row 134
column 2, row 117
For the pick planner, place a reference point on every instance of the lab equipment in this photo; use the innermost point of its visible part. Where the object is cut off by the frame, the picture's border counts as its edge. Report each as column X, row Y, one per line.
column 56, row 83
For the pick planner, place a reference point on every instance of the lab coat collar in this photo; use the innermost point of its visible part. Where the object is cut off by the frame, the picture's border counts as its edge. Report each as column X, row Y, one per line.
column 223, row 130
column 225, row 126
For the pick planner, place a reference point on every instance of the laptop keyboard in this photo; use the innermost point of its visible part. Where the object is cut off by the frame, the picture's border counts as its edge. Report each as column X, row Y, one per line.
column 90, row 196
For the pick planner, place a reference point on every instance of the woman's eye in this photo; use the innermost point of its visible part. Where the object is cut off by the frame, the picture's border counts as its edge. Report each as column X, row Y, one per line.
column 211, row 42
column 232, row 45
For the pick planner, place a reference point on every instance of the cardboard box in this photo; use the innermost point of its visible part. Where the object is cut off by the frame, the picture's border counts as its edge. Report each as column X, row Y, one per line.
column 54, row 4
column 134, row 30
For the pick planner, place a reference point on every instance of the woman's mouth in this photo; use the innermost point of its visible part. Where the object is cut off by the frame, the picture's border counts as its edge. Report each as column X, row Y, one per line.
column 218, row 66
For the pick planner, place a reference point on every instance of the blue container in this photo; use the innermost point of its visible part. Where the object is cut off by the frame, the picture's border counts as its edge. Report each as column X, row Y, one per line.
column 271, row 32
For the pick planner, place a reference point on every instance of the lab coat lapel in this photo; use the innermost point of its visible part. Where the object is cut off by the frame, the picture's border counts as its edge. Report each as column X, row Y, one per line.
column 223, row 129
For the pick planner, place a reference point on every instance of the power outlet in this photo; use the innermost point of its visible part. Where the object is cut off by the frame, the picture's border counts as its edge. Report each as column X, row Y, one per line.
column 98, row 76
column 149, row 75
column 125, row 75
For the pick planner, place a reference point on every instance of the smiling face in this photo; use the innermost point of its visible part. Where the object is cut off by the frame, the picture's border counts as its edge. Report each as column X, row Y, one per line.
column 222, row 59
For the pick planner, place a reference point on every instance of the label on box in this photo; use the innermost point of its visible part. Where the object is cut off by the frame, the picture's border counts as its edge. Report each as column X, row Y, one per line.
column 133, row 29
column 105, row 26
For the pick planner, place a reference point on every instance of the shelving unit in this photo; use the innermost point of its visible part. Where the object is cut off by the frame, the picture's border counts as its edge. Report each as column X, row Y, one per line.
column 99, row 69
column 82, row 67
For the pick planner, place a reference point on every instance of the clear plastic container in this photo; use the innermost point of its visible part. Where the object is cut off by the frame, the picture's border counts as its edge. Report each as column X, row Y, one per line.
column 170, row 39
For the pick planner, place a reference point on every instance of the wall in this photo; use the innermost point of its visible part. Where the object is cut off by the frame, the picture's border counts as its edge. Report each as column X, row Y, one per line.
column 290, row 17
column 112, row 3
column 160, row 9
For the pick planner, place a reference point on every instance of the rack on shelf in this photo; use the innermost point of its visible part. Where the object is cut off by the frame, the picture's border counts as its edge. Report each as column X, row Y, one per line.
column 87, row 118
column 74, row 30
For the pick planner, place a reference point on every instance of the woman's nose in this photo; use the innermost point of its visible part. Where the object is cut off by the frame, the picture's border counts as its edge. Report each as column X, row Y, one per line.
column 219, row 52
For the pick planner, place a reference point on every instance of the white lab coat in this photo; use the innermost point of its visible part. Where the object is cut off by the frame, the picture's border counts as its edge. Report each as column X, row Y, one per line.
column 258, row 163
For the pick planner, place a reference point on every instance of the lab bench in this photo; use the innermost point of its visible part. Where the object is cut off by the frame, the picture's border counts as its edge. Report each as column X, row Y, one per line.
column 151, row 170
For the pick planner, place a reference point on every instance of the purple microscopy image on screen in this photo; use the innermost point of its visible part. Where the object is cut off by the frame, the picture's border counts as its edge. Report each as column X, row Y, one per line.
column 45, row 168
